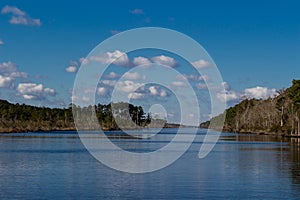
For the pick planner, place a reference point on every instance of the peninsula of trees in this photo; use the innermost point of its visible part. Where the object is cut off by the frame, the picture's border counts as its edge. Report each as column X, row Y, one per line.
column 26, row 118
column 278, row 115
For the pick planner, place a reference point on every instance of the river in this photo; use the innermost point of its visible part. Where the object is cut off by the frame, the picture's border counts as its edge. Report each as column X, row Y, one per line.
column 56, row 165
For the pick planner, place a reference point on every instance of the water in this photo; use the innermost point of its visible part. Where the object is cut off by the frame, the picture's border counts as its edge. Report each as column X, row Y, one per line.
column 57, row 166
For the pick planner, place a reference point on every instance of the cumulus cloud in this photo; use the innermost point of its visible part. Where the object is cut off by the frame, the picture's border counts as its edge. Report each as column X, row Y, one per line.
column 112, row 75
column 165, row 60
column 163, row 93
column 201, row 86
column 116, row 57
column 133, row 76
column 50, row 91
column 9, row 69
column 127, row 86
column 101, row 91
column 225, row 85
column 178, row 84
column 260, row 92
column 20, row 17
column 141, row 61
column 83, row 61
column 6, row 82
column 204, row 78
column 137, row 11
column 110, row 83
column 8, row 73
column 120, row 58
column 255, row 92
column 72, row 68
column 190, row 77
column 228, row 96
column 33, row 91
column 136, row 95
column 81, row 99
column 200, row 64
column 157, row 91
column 153, row 90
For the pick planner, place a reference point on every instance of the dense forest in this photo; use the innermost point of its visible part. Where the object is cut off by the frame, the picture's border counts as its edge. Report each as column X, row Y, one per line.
column 25, row 118
column 278, row 115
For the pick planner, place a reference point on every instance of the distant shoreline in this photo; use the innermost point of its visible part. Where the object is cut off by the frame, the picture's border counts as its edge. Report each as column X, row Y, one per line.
column 11, row 130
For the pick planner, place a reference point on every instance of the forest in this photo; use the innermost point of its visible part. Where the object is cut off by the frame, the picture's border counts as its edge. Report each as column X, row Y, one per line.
column 277, row 115
column 27, row 118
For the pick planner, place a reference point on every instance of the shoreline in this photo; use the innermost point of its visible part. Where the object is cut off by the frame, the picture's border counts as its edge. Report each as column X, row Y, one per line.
column 261, row 133
column 65, row 129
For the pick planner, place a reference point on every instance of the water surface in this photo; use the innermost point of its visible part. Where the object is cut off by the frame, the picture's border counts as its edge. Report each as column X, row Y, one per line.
column 57, row 166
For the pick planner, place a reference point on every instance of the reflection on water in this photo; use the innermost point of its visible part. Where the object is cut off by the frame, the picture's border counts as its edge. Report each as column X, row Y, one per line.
column 294, row 157
column 57, row 166
column 288, row 151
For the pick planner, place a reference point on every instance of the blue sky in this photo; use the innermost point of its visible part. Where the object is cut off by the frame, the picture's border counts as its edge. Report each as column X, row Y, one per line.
column 255, row 44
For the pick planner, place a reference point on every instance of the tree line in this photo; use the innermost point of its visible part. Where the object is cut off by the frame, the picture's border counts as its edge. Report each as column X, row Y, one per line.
column 25, row 118
column 280, row 114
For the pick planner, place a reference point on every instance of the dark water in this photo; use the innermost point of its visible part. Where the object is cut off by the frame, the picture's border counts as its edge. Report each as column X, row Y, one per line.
column 57, row 166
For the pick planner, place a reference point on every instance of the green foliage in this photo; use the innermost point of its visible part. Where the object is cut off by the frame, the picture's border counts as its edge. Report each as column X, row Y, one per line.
column 16, row 117
column 275, row 115
column 294, row 91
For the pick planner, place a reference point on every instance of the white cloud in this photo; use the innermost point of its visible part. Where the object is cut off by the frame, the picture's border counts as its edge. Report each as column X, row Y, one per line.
column 81, row 99
column 13, row 10
column 259, row 92
column 228, row 96
column 20, row 17
column 137, row 11
column 9, row 69
column 30, row 88
column 6, row 82
column 164, row 60
column 75, row 64
column 71, row 69
column 153, row 90
column 255, row 92
column 127, row 86
column 110, row 83
column 200, row 64
column 157, row 91
column 102, row 91
column 135, row 95
column 192, row 77
column 163, row 93
column 50, row 91
column 225, row 85
column 201, row 86
column 204, row 78
column 83, row 61
column 112, row 75
column 8, row 73
column 116, row 57
column 133, row 76
column 141, row 61
column 34, row 91
column 178, row 84
column 1, row 42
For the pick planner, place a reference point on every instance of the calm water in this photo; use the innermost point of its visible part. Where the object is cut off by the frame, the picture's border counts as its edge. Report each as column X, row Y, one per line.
column 57, row 166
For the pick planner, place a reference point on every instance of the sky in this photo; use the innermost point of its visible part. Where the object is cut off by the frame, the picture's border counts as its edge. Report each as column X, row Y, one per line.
column 254, row 44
